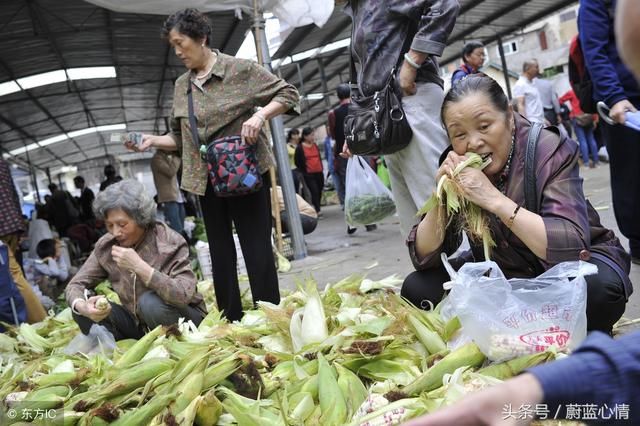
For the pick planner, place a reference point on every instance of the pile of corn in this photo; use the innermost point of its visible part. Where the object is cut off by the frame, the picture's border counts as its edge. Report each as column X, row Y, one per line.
column 355, row 354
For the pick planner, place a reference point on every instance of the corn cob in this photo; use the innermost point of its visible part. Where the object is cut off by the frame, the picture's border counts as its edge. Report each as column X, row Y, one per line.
column 132, row 378
column 139, row 349
column 352, row 388
column 467, row 355
column 54, row 379
column 214, row 374
column 430, row 339
column 188, row 415
column 136, row 376
column 102, row 303
column 144, row 414
column 389, row 415
column 44, row 399
column 310, row 386
column 209, row 410
column 332, row 401
column 189, row 388
column 515, row 366
column 301, row 406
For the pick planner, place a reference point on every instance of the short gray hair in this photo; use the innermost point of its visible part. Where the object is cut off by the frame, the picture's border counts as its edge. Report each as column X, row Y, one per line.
column 528, row 64
column 129, row 195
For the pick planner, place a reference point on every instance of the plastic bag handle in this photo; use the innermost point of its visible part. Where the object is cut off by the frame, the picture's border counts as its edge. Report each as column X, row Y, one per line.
column 570, row 270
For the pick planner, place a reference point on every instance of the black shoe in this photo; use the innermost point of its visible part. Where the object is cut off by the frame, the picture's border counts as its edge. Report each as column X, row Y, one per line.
column 371, row 227
column 635, row 260
column 351, row 230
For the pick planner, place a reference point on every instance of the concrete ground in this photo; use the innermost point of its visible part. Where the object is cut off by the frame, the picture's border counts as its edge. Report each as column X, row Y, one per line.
column 333, row 254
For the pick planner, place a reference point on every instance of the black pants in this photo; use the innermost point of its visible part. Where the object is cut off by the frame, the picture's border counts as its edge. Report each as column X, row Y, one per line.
column 551, row 116
column 315, row 182
column 605, row 293
column 251, row 216
column 623, row 146
column 152, row 311
column 308, row 223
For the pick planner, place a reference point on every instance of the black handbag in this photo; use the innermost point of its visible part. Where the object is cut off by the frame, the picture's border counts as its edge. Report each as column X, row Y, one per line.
column 376, row 124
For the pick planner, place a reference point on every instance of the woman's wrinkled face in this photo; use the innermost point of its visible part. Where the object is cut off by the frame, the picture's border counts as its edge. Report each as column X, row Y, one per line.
column 476, row 58
column 122, row 226
column 189, row 51
column 475, row 125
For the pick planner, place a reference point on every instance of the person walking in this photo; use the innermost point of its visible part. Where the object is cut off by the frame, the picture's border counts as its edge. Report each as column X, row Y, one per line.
column 309, row 162
column 336, row 130
column 293, row 139
column 414, row 36
column 526, row 94
column 549, row 99
column 583, row 125
column 226, row 93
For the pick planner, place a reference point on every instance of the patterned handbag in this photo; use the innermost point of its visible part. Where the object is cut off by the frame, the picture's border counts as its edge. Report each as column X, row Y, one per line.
column 233, row 167
column 232, row 164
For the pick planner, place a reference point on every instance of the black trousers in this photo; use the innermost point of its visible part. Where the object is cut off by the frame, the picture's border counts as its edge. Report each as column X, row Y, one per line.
column 152, row 311
column 623, row 146
column 251, row 216
column 309, row 223
column 551, row 116
column 315, row 183
column 605, row 293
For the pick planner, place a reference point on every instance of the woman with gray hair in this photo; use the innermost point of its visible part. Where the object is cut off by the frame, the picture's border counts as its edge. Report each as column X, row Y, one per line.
column 146, row 262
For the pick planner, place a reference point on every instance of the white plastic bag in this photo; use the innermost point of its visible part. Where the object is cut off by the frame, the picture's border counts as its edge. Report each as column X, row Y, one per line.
column 98, row 340
column 367, row 200
column 511, row 318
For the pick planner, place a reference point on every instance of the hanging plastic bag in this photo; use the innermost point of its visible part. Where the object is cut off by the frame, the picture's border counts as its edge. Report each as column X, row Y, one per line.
column 99, row 340
column 367, row 200
column 510, row 318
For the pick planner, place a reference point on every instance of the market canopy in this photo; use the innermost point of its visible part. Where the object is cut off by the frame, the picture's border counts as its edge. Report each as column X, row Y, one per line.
column 130, row 80
column 106, row 71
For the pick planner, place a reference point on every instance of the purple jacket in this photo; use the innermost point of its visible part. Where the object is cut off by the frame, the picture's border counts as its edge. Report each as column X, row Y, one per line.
column 573, row 226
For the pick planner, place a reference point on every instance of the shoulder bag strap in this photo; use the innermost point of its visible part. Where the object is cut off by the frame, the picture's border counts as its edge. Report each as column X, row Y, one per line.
column 530, row 197
column 192, row 119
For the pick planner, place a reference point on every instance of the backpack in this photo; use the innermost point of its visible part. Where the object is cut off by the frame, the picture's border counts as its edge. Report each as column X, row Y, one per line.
column 579, row 76
column 12, row 307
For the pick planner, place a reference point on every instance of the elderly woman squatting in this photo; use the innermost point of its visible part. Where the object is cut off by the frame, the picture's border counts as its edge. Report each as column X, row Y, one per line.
column 478, row 118
column 146, row 262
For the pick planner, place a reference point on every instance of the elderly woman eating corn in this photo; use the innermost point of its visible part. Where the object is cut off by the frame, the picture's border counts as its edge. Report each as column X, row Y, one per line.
column 478, row 119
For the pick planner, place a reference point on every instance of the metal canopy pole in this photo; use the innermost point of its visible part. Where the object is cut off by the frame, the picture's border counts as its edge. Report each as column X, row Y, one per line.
column 325, row 88
column 505, row 70
column 280, row 149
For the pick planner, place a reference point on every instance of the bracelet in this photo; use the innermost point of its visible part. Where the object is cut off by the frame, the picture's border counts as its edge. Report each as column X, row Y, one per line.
column 509, row 222
column 410, row 61
column 261, row 116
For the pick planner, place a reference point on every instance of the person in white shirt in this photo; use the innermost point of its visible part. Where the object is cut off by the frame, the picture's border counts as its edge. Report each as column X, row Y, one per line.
column 527, row 95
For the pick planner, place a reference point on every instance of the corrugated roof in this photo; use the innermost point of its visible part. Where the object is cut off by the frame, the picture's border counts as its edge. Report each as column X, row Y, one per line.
column 44, row 35
column 483, row 20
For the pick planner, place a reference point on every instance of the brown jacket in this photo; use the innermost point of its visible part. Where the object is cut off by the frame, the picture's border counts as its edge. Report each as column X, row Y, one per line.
column 227, row 98
column 164, row 167
column 162, row 248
